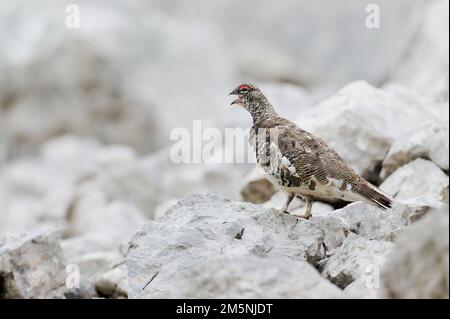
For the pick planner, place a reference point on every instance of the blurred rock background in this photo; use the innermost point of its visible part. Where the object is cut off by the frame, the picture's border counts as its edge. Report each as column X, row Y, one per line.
column 86, row 116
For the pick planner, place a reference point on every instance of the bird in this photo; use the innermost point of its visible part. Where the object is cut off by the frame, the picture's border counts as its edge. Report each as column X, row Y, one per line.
column 299, row 163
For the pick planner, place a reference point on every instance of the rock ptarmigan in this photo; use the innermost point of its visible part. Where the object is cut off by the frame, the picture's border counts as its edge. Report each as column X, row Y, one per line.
column 298, row 162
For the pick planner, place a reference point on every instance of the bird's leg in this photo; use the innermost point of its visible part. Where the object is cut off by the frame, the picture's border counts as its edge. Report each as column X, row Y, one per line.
column 309, row 202
column 288, row 201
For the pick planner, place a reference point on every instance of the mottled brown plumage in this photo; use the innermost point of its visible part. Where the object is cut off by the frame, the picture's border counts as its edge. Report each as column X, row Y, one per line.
column 298, row 162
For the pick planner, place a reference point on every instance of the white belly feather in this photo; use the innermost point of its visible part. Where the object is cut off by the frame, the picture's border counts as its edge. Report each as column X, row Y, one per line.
column 329, row 190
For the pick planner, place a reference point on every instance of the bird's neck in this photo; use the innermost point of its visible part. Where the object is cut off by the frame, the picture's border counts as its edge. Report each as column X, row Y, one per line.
column 260, row 110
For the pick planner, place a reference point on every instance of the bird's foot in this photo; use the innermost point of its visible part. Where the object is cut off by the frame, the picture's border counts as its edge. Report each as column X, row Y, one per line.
column 283, row 211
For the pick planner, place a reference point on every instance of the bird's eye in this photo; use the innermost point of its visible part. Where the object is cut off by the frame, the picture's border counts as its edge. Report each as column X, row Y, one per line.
column 243, row 90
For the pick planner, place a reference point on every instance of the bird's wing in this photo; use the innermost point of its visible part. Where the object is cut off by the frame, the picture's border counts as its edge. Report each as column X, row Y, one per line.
column 315, row 162
column 278, row 168
column 302, row 150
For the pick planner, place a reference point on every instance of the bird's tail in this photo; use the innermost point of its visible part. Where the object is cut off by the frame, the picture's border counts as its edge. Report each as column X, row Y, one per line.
column 376, row 196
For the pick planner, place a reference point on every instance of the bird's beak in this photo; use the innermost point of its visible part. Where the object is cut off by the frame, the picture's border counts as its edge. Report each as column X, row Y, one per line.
column 237, row 101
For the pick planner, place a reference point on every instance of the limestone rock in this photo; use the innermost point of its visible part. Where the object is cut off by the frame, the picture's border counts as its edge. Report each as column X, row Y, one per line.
column 293, row 50
column 373, row 223
column 117, row 220
column 429, row 141
column 31, row 266
column 424, row 65
column 360, row 123
column 363, row 288
column 80, row 81
column 357, row 257
column 88, row 244
column 417, row 178
column 90, row 267
column 203, row 228
column 175, row 180
column 245, row 277
column 113, row 283
column 419, row 264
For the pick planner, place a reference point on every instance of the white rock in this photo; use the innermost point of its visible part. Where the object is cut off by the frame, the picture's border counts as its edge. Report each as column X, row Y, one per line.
column 92, row 264
column 418, row 266
column 117, row 220
column 356, row 258
column 83, row 186
column 87, row 244
column 373, row 223
column 335, row 231
column 360, row 123
column 31, row 266
column 424, row 65
column 81, row 81
column 113, row 283
column 89, row 267
column 365, row 220
column 175, row 180
column 203, row 227
column 84, row 290
column 120, row 179
column 71, row 88
column 362, row 289
column 417, row 178
column 46, row 190
column 162, row 208
column 302, row 36
column 245, row 277
column 36, row 192
column 429, row 141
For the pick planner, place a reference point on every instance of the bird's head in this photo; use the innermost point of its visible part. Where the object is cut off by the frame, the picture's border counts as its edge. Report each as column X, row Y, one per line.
column 252, row 99
column 246, row 94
